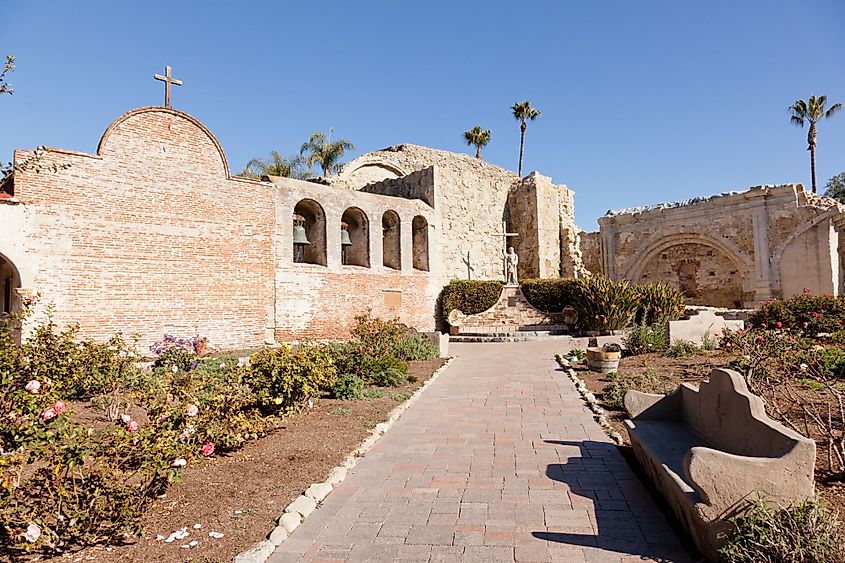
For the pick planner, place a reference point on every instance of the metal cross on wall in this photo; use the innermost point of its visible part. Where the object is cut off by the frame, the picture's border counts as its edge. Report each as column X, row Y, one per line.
column 168, row 80
column 470, row 269
column 505, row 236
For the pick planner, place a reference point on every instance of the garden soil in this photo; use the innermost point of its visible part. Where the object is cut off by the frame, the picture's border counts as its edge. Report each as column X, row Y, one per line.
column 242, row 494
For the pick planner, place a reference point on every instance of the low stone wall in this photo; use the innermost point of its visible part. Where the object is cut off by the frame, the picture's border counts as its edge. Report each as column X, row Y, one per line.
column 511, row 313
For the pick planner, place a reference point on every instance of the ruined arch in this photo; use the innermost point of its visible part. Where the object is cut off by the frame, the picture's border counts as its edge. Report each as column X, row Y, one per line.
column 391, row 240
column 358, row 227
column 708, row 270
column 314, row 221
column 419, row 239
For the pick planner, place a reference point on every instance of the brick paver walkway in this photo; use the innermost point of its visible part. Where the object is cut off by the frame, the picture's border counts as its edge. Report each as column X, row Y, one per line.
column 498, row 460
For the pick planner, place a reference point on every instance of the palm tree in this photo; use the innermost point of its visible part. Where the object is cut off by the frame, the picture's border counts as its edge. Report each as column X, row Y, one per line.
column 523, row 112
column 324, row 152
column 812, row 111
column 478, row 137
column 276, row 165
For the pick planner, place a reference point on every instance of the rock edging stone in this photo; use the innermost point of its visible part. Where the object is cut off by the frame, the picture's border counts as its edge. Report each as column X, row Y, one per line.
column 592, row 403
column 297, row 511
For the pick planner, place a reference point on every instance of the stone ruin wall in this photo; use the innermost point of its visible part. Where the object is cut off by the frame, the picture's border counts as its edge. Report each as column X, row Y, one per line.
column 732, row 250
column 471, row 198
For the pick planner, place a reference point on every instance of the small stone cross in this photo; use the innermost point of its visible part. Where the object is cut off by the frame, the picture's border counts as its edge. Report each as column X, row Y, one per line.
column 470, row 269
column 168, row 80
column 505, row 236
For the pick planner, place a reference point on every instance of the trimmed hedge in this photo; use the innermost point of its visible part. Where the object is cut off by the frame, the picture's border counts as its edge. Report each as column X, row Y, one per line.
column 471, row 296
column 550, row 295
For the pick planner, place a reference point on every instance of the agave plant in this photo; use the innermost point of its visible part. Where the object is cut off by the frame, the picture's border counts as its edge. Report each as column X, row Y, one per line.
column 658, row 303
column 603, row 304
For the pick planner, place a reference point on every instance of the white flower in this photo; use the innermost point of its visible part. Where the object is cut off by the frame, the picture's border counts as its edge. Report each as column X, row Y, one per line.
column 243, row 361
column 125, row 418
column 804, row 367
column 33, row 386
column 222, row 365
column 33, row 532
column 179, row 462
column 192, row 410
column 174, row 369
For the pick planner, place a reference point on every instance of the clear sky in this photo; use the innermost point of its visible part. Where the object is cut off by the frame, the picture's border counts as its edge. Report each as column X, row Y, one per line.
column 643, row 101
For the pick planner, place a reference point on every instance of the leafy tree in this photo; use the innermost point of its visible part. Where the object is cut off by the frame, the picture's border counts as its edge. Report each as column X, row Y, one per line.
column 478, row 137
column 835, row 187
column 276, row 165
column 5, row 87
column 322, row 151
column 812, row 111
column 523, row 112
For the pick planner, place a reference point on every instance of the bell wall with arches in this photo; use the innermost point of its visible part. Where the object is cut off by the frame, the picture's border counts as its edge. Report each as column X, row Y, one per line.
column 734, row 250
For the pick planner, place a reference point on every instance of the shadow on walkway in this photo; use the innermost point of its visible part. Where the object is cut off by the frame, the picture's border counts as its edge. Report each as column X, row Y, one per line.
column 602, row 477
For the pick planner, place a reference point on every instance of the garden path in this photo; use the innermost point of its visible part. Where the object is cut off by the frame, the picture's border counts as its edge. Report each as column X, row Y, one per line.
column 498, row 460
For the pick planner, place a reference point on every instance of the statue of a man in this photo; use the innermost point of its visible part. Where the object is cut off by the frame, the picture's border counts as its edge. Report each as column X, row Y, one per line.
column 511, row 262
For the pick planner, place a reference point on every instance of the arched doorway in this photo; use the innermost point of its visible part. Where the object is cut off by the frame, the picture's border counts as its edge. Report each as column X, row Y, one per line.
column 10, row 282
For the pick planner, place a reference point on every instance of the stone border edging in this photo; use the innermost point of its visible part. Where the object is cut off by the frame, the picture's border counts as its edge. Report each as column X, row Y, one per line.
column 297, row 511
column 590, row 399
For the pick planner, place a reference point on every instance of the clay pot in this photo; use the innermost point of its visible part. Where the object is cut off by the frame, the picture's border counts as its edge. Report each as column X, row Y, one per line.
column 603, row 362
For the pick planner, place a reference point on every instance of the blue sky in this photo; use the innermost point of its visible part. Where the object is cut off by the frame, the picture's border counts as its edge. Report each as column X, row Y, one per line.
column 643, row 101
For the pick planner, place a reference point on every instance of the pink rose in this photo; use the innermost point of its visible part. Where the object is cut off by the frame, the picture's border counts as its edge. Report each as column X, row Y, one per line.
column 207, row 449
column 162, row 418
column 133, row 426
column 48, row 413
column 59, row 407
column 779, row 324
column 33, row 386
column 192, row 410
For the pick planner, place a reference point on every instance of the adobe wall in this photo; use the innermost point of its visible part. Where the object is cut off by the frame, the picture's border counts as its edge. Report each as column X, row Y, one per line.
column 731, row 250
column 320, row 301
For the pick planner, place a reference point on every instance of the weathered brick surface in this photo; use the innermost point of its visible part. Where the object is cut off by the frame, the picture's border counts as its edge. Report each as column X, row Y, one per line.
column 151, row 235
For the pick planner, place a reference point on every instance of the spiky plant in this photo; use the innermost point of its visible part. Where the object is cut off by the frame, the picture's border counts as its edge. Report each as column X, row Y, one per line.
column 276, row 165
column 478, row 137
column 811, row 111
column 324, row 152
column 523, row 112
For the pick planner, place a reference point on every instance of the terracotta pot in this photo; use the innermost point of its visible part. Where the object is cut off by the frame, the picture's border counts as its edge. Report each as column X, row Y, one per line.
column 601, row 361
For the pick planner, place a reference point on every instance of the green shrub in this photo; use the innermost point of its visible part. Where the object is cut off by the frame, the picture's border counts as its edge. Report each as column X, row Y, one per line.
column 809, row 314
column 389, row 372
column 372, row 393
column 709, row 342
column 682, row 349
column 400, row 397
column 284, row 378
column 829, row 362
column 603, row 304
column 644, row 338
column 348, row 387
column 620, row 383
column 578, row 354
column 549, row 295
column 413, row 347
column 471, row 296
column 659, row 303
column 808, row 532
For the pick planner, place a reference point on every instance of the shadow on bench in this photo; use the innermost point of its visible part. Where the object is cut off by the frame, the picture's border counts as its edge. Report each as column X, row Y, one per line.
column 710, row 451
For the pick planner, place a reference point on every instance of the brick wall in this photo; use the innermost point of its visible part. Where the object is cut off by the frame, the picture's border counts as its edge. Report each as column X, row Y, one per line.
column 151, row 235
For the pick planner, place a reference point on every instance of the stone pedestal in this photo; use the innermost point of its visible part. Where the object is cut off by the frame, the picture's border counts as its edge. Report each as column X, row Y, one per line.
column 511, row 313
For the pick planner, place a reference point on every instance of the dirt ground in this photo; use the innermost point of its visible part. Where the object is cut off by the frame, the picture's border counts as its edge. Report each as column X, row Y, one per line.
column 693, row 370
column 242, row 494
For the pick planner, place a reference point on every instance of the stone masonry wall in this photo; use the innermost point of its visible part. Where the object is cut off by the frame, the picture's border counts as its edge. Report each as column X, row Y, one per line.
column 734, row 244
column 416, row 185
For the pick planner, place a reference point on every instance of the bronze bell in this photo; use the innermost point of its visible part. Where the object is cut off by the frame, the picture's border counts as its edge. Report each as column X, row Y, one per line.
column 299, row 234
column 344, row 236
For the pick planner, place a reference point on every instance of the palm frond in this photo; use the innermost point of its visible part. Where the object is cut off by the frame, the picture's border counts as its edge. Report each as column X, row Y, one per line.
column 833, row 109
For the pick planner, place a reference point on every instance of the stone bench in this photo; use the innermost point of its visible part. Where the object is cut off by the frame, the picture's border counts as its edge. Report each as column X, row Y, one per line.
column 710, row 450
